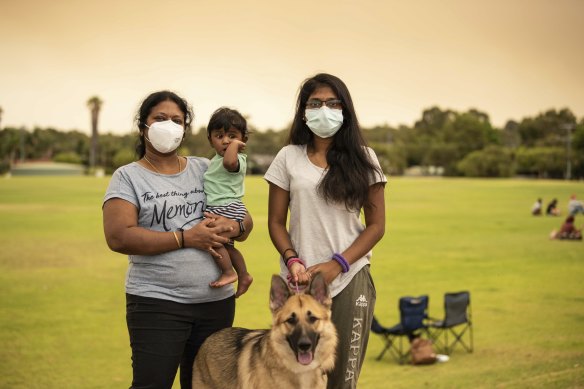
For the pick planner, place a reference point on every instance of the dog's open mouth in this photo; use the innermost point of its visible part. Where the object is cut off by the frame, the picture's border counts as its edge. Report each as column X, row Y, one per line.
column 304, row 345
column 304, row 357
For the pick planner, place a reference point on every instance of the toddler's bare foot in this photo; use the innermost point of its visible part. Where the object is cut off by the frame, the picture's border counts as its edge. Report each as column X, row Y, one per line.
column 243, row 283
column 226, row 278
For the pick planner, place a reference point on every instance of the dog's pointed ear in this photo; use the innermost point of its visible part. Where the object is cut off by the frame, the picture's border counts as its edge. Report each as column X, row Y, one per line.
column 319, row 290
column 279, row 293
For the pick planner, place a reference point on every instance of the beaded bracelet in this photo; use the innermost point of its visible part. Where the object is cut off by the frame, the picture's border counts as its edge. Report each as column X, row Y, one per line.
column 288, row 259
column 293, row 260
column 342, row 261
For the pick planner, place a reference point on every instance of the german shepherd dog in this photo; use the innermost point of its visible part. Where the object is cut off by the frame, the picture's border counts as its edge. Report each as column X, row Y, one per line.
column 296, row 352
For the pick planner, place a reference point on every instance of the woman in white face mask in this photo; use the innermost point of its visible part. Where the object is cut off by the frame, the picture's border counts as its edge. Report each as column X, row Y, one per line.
column 153, row 212
column 323, row 179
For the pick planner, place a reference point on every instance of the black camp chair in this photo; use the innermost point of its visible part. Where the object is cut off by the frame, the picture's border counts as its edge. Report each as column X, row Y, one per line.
column 413, row 316
column 457, row 322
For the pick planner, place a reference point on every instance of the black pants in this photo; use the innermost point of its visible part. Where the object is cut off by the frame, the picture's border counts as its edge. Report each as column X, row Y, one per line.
column 165, row 334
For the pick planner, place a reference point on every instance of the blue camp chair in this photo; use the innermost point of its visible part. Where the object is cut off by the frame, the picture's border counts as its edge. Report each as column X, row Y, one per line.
column 413, row 317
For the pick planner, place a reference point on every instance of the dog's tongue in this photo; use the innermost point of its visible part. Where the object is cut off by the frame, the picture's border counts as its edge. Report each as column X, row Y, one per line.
column 304, row 357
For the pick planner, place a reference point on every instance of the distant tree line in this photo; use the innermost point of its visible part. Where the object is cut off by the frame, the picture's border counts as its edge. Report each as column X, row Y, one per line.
column 445, row 142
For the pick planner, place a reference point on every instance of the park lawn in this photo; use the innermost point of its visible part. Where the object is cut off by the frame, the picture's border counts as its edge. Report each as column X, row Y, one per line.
column 62, row 313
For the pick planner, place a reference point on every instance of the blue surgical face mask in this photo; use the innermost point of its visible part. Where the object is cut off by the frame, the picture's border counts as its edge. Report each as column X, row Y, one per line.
column 324, row 122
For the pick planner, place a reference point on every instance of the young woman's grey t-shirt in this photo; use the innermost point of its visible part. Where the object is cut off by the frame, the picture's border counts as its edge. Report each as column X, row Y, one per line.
column 167, row 203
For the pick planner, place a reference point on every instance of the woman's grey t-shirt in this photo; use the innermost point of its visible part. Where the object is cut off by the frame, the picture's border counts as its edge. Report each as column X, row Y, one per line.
column 167, row 203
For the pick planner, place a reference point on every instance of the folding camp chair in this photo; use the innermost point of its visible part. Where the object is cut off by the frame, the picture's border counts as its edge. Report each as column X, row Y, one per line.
column 457, row 321
column 413, row 314
column 384, row 332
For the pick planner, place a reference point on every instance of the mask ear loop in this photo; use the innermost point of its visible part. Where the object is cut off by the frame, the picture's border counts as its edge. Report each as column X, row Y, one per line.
column 144, row 135
column 142, row 132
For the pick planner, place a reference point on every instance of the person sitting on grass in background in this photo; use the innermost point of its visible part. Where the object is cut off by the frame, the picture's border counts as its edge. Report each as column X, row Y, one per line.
column 536, row 208
column 575, row 206
column 552, row 208
column 224, row 187
column 567, row 231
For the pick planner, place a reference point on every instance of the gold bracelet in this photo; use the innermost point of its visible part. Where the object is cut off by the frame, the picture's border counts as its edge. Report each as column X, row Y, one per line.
column 176, row 238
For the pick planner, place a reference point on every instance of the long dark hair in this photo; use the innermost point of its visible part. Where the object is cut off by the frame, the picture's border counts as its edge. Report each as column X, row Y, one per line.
column 146, row 107
column 349, row 166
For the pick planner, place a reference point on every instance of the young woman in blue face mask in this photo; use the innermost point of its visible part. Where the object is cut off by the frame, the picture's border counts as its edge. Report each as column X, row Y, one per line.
column 153, row 212
column 324, row 178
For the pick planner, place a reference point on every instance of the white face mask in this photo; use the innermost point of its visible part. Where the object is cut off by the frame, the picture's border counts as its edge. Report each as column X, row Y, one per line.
column 324, row 122
column 165, row 136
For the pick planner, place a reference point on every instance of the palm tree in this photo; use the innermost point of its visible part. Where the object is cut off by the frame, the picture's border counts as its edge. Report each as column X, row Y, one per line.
column 94, row 104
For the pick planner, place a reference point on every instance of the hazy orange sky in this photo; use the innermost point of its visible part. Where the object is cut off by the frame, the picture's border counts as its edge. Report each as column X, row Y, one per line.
column 508, row 58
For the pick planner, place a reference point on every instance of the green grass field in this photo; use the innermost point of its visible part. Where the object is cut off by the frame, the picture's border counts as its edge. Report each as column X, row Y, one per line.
column 62, row 313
